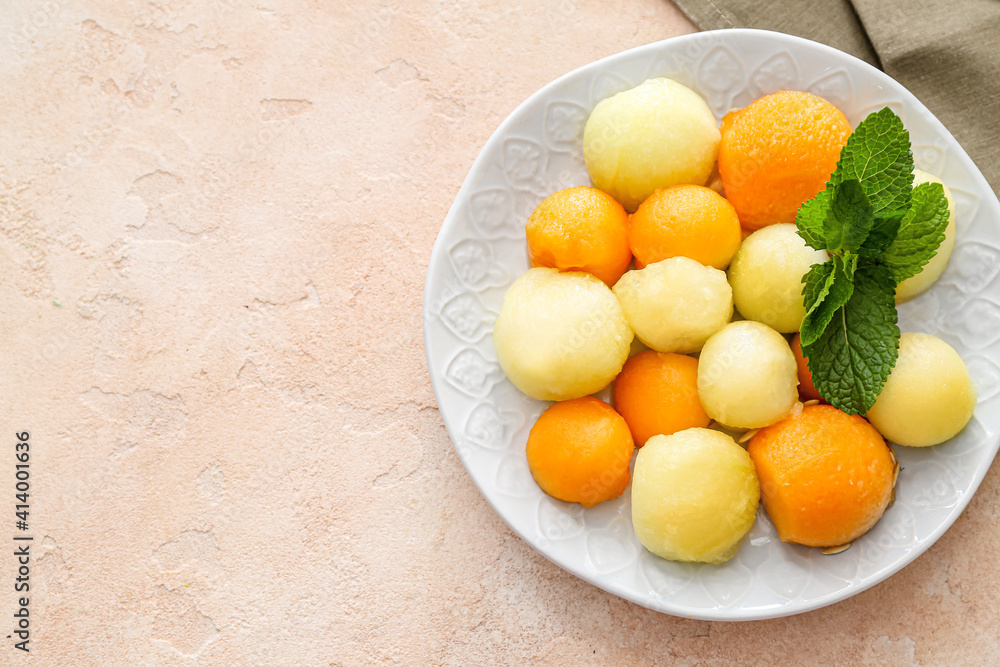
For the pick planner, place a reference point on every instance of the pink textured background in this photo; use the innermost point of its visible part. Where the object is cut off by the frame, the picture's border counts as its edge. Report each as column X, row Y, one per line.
column 216, row 219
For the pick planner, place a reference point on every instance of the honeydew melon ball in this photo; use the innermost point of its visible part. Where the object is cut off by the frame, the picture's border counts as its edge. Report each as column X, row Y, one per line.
column 694, row 496
column 560, row 335
column 766, row 275
column 920, row 283
column 655, row 135
column 747, row 376
column 929, row 396
column 676, row 304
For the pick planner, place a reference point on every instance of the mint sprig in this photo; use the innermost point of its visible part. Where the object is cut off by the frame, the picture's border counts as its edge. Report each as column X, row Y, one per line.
column 879, row 231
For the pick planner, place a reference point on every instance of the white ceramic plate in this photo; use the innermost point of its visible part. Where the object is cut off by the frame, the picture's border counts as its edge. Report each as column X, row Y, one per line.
column 481, row 249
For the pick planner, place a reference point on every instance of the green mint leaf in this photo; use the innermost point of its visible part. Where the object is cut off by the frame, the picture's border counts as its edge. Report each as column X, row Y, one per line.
column 920, row 233
column 878, row 154
column 816, row 286
column 810, row 219
column 826, row 288
column 855, row 353
column 849, row 218
column 882, row 235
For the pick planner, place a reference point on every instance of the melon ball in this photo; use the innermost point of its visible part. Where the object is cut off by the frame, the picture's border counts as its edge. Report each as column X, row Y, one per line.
column 676, row 304
column 766, row 275
column 920, row 283
column 655, row 135
column 694, row 496
column 560, row 335
column 747, row 376
column 929, row 396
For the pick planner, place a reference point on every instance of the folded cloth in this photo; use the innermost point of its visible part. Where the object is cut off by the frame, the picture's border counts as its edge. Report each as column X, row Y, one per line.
column 945, row 53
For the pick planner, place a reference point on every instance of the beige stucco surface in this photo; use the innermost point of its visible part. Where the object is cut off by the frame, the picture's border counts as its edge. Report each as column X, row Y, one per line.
column 215, row 223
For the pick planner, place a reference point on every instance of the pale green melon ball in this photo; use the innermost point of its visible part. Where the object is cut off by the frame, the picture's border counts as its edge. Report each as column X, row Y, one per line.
column 560, row 335
column 655, row 135
column 694, row 496
column 676, row 304
column 929, row 396
column 747, row 376
column 766, row 275
column 920, row 283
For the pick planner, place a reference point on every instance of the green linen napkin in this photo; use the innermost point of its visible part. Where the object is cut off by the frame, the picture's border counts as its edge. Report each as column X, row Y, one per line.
column 945, row 53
